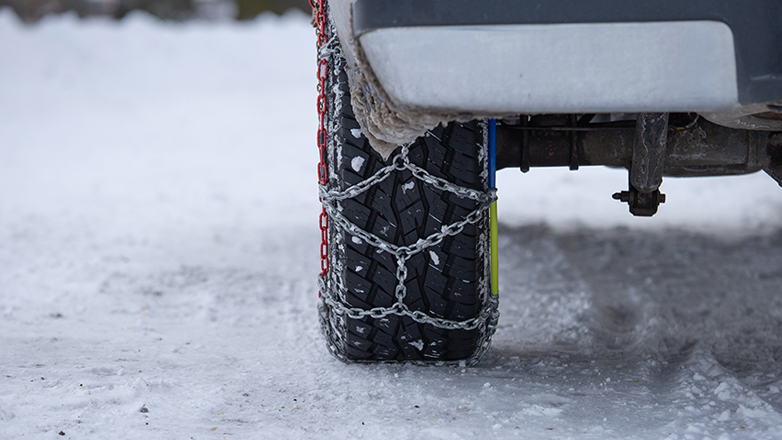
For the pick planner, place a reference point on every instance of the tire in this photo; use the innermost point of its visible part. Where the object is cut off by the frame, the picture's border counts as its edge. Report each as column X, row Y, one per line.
column 446, row 281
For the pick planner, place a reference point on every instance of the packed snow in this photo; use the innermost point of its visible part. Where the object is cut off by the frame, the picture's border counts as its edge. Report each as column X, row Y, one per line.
column 356, row 163
column 159, row 251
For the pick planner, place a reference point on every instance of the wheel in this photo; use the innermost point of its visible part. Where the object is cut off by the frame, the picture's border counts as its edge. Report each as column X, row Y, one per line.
column 408, row 241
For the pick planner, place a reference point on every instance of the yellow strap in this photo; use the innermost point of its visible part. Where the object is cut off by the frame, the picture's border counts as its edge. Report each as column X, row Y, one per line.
column 495, row 265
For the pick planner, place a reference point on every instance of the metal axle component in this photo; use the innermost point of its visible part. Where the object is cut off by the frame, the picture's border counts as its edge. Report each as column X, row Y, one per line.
column 774, row 154
column 642, row 204
column 650, row 146
column 651, row 136
column 648, row 165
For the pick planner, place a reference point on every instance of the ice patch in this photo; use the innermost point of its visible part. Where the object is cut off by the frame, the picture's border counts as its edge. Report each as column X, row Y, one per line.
column 356, row 163
column 359, row 268
column 356, row 132
column 356, row 240
column 541, row 411
column 754, row 413
column 696, row 428
column 419, row 344
column 408, row 186
column 722, row 391
column 435, row 258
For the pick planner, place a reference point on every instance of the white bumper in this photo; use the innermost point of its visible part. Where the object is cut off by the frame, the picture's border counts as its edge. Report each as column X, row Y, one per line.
column 561, row 68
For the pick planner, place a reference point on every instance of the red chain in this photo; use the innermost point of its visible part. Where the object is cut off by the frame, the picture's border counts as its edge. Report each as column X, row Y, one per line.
column 319, row 12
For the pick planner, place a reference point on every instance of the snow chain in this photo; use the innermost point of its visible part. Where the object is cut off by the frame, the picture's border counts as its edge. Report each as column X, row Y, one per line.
column 328, row 289
column 319, row 20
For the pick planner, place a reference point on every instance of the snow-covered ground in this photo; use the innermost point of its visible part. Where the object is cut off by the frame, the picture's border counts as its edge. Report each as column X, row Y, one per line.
column 158, row 257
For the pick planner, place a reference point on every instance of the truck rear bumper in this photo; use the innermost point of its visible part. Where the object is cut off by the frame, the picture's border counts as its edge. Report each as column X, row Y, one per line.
column 577, row 45
column 672, row 66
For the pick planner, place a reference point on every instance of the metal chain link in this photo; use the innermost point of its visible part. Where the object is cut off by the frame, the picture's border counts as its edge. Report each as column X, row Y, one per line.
column 325, row 48
column 403, row 253
column 332, row 216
